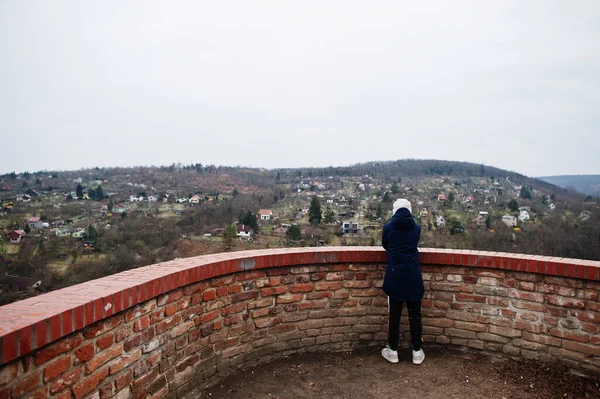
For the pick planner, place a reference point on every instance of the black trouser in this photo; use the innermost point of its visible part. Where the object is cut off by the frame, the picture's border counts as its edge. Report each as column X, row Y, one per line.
column 414, row 320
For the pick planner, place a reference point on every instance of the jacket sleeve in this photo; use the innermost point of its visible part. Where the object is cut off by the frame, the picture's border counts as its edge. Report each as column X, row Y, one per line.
column 384, row 242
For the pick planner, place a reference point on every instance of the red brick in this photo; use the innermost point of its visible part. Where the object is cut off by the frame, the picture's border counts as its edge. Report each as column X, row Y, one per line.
column 193, row 288
column 52, row 351
column 587, row 349
column 221, row 291
column 89, row 383
column 140, row 310
column 289, row 298
column 139, row 383
column 142, row 323
column 66, row 380
column 328, row 285
column 566, row 282
column 273, row 291
column 533, row 306
column 26, row 384
column 365, row 293
column 125, row 360
column 470, row 298
column 570, row 335
column 103, row 357
column 250, row 275
column 244, row 296
column 505, row 331
column 105, row 341
column 124, row 379
column 208, row 295
column 591, row 317
column 170, row 309
column 102, row 326
column 542, row 339
column 169, row 297
column 564, row 301
column 307, row 287
column 57, row 367
column 528, row 296
column 166, row 324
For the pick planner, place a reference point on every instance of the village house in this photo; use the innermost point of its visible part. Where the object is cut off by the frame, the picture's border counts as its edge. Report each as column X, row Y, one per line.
column 585, row 216
column 152, row 199
column 136, row 198
column 35, row 222
column 62, row 232
column 509, row 220
column 265, row 214
column 440, row 221
column 15, row 236
column 423, row 213
column 195, row 199
column 524, row 215
column 119, row 209
column 350, row 226
column 482, row 217
column 244, row 232
column 442, row 197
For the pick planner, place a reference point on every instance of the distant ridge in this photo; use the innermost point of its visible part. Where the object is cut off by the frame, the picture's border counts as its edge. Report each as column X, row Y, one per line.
column 586, row 184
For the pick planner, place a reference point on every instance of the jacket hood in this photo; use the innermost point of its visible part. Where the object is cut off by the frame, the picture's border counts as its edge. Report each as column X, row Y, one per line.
column 403, row 219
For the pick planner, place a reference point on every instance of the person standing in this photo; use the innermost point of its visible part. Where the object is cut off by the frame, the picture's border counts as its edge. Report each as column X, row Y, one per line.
column 403, row 281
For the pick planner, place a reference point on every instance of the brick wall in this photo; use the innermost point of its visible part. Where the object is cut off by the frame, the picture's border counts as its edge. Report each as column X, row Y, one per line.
column 162, row 330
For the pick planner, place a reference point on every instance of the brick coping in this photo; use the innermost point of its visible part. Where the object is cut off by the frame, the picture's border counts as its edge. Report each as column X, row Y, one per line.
column 35, row 322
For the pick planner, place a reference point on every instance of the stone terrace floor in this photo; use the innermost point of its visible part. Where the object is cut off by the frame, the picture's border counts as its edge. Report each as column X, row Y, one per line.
column 446, row 373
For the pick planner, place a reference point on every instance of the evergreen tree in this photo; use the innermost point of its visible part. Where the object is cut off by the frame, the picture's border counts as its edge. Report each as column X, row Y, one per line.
column 395, row 188
column 293, row 233
column 92, row 234
column 235, row 192
column 79, row 191
column 451, row 196
column 99, row 193
column 249, row 219
column 314, row 212
column 278, row 177
column 387, row 197
column 525, row 193
column 513, row 205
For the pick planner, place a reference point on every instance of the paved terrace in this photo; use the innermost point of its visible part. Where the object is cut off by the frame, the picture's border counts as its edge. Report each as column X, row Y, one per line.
column 167, row 329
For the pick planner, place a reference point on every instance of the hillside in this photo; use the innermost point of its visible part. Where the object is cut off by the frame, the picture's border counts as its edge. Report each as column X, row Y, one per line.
column 65, row 227
column 586, row 184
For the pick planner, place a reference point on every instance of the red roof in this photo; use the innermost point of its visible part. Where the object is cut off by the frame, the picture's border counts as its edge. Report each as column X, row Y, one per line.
column 265, row 212
column 245, row 229
column 34, row 219
column 16, row 233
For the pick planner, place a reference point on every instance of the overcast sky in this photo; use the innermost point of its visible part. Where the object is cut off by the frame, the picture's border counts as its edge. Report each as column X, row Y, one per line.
column 513, row 84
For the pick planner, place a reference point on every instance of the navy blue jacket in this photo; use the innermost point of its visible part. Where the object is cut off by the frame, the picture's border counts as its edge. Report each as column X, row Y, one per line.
column 403, row 280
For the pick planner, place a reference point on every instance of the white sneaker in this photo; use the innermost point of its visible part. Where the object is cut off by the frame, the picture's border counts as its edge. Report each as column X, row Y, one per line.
column 389, row 355
column 418, row 356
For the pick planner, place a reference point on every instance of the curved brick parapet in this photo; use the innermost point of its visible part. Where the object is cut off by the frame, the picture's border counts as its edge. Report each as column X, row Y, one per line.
column 164, row 329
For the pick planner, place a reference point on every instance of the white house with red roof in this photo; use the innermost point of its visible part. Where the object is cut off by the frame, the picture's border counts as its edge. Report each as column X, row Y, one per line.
column 265, row 214
column 16, row 236
column 244, row 231
column 35, row 222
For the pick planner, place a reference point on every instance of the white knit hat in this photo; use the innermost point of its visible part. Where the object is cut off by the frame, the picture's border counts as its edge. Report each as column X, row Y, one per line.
column 402, row 203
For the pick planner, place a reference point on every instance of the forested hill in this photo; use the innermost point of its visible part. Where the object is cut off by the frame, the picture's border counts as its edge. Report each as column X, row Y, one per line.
column 421, row 167
column 586, row 184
